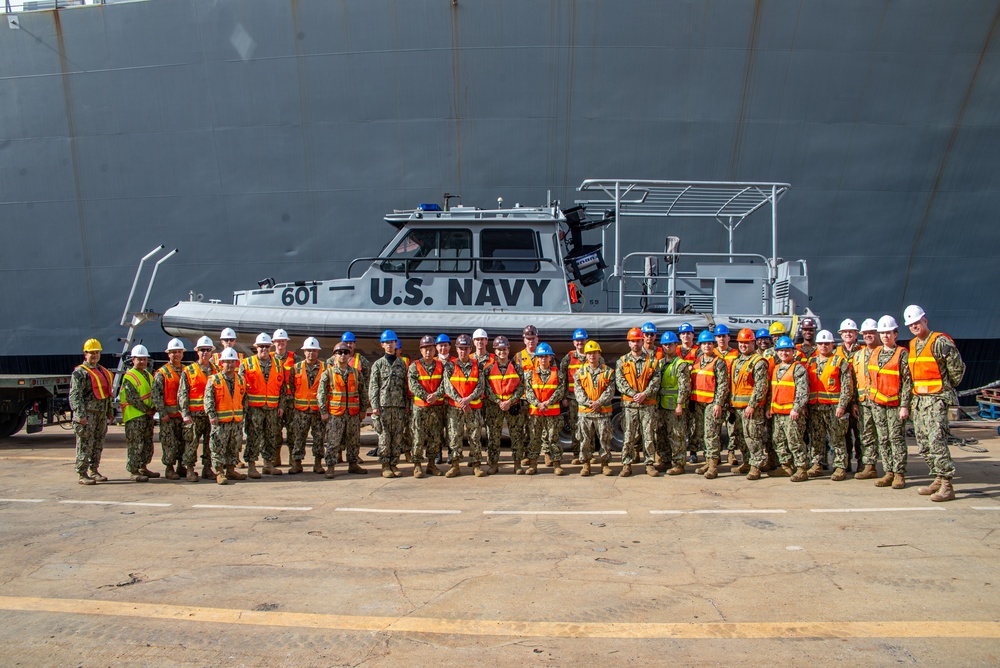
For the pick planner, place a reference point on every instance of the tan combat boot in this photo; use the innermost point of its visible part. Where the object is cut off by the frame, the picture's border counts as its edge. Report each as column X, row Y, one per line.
column 701, row 469
column 96, row 475
column 396, row 473
column 329, row 473
column 432, row 468
column 946, row 493
column 318, row 465
column 575, row 461
column 387, row 472
column 418, row 471
column 676, row 469
column 558, row 469
column 207, row 473
column 713, row 468
column 532, row 467
column 408, row 457
column 192, row 475
column 606, row 468
column 86, row 480
column 353, row 467
column 548, row 459
column 801, row 475
column 815, row 471
column 743, row 468
column 233, row 474
column 296, row 467
column 651, row 471
column 867, row 473
column 753, row 473
column 149, row 474
column 454, row 471
column 931, row 488
column 221, row 478
column 585, row 471
column 169, row 474
column 493, row 469
column 781, row 471
column 898, row 481
column 478, row 471
column 138, row 477
column 626, row 471
column 885, row 480
column 252, row 471
column 838, row 475
column 269, row 469
column 518, row 469
column 731, row 459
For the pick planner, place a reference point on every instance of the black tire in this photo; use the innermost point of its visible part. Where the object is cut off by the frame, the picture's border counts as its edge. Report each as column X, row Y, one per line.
column 11, row 424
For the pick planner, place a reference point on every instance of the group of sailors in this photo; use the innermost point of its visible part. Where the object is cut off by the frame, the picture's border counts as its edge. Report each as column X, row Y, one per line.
column 790, row 407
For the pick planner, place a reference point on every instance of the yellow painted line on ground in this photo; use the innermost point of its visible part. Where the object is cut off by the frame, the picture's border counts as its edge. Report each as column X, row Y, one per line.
column 498, row 627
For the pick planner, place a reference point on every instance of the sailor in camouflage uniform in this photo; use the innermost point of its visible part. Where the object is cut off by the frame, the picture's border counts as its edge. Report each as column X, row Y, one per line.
column 90, row 400
column 285, row 423
column 463, row 386
column 936, row 368
column 831, row 389
column 305, row 385
column 862, row 408
column 137, row 412
column 890, row 389
column 674, row 395
column 503, row 390
column 387, row 392
column 173, row 445
column 225, row 406
column 568, row 367
column 544, row 387
column 710, row 391
column 594, row 388
column 750, row 385
column 191, row 399
column 266, row 391
column 639, row 384
column 342, row 397
column 424, row 378
column 848, row 348
column 789, row 398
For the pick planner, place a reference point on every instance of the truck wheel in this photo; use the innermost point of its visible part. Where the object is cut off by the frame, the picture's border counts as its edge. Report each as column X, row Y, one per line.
column 11, row 424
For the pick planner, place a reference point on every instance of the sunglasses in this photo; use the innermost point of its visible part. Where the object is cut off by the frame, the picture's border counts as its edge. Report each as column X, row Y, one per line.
column 341, row 352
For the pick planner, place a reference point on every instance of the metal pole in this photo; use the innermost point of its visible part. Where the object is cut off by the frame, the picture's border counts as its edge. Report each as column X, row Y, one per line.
column 618, row 227
column 730, row 228
column 152, row 278
column 774, row 245
column 135, row 281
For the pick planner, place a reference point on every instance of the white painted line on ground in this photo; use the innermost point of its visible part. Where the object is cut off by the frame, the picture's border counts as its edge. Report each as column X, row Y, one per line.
column 555, row 512
column 22, row 500
column 746, row 511
column 973, row 507
column 412, row 511
column 871, row 510
column 119, row 503
column 225, row 507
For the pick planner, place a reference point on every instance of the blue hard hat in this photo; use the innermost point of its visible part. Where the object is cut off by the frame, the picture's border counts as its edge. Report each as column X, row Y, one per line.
column 648, row 328
column 685, row 327
column 580, row 335
column 721, row 330
column 784, row 343
column 706, row 337
column 543, row 349
column 763, row 333
column 348, row 337
column 442, row 338
column 668, row 337
column 388, row 335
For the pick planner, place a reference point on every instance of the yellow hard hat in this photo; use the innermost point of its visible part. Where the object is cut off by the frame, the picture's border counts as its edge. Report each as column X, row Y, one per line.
column 777, row 329
column 92, row 346
column 591, row 347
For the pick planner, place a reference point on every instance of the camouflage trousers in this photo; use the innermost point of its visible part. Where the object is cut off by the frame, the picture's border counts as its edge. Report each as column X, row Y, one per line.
column 752, row 435
column 90, row 441
column 517, row 427
column 789, row 441
column 867, row 436
column 139, row 443
column 823, row 423
column 591, row 427
column 671, row 435
column 930, row 426
column 707, row 430
column 199, row 432
column 891, row 435
column 465, row 425
column 174, row 445
column 302, row 423
column 545, row 436
column 391, row 428
column 286, row 424
column 852, row 438
column 262, row 434
column 737, row 435
column 342, row 434
column 639, row 422
column 571, row 418
column 428, row 432
column 225, row 444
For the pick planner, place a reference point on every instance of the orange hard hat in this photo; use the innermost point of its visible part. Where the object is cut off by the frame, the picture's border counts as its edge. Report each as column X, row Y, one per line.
column 635, row 334
column 746, row 335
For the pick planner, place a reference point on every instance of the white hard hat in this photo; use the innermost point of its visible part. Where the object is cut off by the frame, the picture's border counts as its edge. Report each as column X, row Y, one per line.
column 279, row 335
column 140, row 351
column 262, row 340
column 228, row 333
column 848, row 326
column 311, row 343
column 480, row 334
column 887, row 324
column 869, row 325
column 824, row 336
column 912, row 314
column 229, row 355
column 175, row 344
column 205, row 342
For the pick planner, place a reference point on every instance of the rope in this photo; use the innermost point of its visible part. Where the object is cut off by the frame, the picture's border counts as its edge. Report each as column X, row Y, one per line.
column 966, row 393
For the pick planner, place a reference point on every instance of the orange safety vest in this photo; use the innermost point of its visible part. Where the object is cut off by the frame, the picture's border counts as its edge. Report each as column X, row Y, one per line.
column 490, row 359
column 345, row 395
column 526, row 360
column 465, row 385
column 261, row 393
column 305, row 394
column 691, row 355
column 703, row 382
column 825, row 388
column 171, row 383
column 728, row 358
column 884, row 383
column 503, row 381
column 288, row 364
column 638, row 383
column 355, row 362
column 743, row 382
column 430, row 381
column 197, row 380
column 783, row 390
column 924, row 367
column 657, row 354
column 860, row 366
column 594, row 392
column 543, row 391
column 575, row 364
column 228, row 405
column 100, row 381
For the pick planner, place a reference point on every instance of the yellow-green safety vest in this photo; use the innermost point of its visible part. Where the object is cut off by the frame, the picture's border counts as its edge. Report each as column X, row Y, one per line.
column 141, row 382
column 668, row 383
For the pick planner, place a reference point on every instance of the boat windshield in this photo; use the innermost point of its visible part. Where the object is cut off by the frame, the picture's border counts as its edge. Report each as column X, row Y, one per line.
column 432, row 250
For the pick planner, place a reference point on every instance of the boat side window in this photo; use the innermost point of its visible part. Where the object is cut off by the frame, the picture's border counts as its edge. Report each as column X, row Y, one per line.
column 431, row 251
column 506, row 244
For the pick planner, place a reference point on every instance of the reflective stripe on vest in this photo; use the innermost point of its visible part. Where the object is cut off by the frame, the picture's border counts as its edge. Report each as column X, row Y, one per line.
column 142, row 383
column 743, row 382
column 860, row 366
column 703, row 382
column 883, row 382
column 262, row 393
column 668, row 382
column 575, row 364
column 305, row 393
column 465, row 385
column 639, row 383
column 228, row 405
column 430, row 381
column 526, row 360
column 605, row 377
column 197, row 380
column 825, row 388
column 783, row 390
column 171, row 383
column 544, row 389
column 344, row 396
column 504, row 383
column 728, row 358
column 924, row 368
column 100, row 381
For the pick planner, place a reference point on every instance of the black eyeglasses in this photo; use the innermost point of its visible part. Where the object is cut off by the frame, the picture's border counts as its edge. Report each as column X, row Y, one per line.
column 341, row 352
